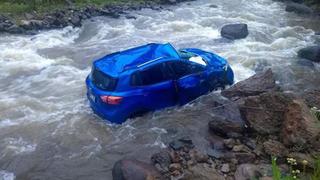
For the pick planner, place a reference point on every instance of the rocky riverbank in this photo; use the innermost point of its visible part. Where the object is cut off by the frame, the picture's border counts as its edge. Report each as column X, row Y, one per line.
column 264, row 122
column 33, row 22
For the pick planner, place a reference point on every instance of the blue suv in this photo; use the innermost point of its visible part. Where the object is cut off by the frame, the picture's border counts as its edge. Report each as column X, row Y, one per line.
column 151, row 77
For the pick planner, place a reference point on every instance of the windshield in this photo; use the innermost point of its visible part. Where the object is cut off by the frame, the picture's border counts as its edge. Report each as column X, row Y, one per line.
column 102, row 80
column 192, row 57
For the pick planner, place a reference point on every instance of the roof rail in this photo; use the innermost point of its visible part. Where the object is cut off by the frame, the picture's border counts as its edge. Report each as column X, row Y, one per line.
column 148, row 62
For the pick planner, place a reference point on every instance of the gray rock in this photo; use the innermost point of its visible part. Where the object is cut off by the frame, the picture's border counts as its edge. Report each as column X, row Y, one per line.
column 225, row 168
column 255, row 85
column 216, row 154
column 298, row 8
column 235, row 31
column 311, row 53
column 223, row 126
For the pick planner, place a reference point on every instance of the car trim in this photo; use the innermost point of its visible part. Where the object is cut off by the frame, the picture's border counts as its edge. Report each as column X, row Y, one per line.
column 148, row 62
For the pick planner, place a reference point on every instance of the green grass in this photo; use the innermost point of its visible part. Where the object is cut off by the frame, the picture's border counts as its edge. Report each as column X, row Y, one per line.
column 313, row 175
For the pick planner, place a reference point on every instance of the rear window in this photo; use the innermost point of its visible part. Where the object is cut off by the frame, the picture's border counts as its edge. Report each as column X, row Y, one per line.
column 102, row 80
column 153, row 75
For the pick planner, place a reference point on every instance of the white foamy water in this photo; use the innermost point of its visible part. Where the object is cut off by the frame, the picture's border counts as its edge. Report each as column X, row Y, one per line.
column 4, row 175
column 46, row 126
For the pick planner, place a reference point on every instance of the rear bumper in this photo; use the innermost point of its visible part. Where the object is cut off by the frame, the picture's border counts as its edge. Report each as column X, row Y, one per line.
column 112, row 116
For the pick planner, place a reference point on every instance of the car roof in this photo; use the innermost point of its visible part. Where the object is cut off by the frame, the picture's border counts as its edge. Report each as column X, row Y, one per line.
column 116, row 63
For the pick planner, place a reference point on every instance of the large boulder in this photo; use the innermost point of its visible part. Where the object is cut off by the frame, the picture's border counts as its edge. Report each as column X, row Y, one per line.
column 203, row 172
column 300, row 129
column 235, row 31
column 223, row 126
column 311, row 53
column 298, row 8
column 130, row 169
column 255, row 85
column 265, row 113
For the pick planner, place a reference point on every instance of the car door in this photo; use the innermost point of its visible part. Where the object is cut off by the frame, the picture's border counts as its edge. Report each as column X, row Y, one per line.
column 190, row 79
column 157, row 86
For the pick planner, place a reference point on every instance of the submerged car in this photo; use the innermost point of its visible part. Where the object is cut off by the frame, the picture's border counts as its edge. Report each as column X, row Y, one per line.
column 151, row 77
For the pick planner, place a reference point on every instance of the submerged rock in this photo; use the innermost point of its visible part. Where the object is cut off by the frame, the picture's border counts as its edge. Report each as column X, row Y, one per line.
column 235, row 31
column 300, row 128
column 298, row 8
column 311, row 53
column 255, row 85
column 130, row 169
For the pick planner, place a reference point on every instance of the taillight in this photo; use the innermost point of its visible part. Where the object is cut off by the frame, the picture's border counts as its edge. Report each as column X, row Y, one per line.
column 111, row 99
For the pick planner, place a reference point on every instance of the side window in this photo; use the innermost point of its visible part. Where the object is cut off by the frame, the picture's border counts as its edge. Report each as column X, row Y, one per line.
column 152, row 75
column 182, row 68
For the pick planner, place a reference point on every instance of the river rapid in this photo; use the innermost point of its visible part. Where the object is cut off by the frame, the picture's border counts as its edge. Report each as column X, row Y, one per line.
column 47, row 129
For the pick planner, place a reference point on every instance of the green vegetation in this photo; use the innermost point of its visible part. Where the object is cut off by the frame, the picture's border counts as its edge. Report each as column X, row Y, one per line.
column 18, row 7
column 295, row 173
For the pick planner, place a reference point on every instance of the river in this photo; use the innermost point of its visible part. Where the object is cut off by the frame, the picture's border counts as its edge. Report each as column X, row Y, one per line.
column 47, row 129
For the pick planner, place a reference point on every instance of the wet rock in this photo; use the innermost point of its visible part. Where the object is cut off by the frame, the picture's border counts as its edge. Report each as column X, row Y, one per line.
column 162, row 158
column 225, row 168
column 203, row 172
column 175, row 157
column 229, row 143
column 298, row 8
column 300, row 128
column 216, row 154
column 235, row 31
column 312, row 98
column 168, row 1
column 130, row 169
column 255, row 85
column 175, row 167
column 76, row 21
column 176, row 145
column 265, row 113
column 198, row 157
column 240, row 148
column 223, row 126
column 213, row 6
column 311, row 53
column 14, row 29
column 32, row 24
column 243, row 157
column 181, row 143
column 251, row 143
column 275, row 148
column 251, row 171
